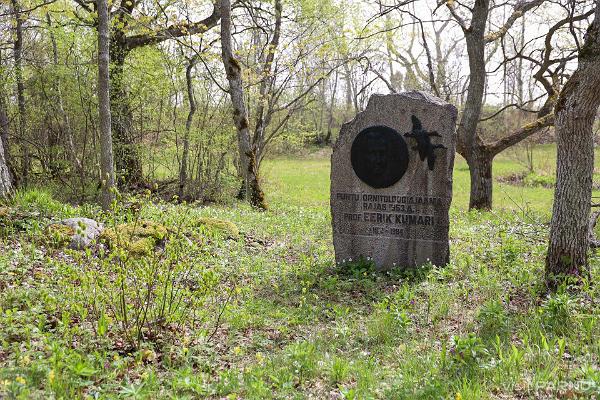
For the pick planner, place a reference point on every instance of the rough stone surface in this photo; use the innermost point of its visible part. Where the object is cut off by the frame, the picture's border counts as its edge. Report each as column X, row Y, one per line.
column 384, row 207
column 86, row 231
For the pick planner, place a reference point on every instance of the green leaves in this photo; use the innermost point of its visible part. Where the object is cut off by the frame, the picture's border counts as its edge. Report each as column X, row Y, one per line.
column 102, row 324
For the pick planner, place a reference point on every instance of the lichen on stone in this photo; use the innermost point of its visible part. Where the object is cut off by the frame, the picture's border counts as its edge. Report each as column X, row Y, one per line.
column 58, row 235
column 138, row 238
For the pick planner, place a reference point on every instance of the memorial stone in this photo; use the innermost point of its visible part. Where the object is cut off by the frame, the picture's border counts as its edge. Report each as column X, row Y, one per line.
column 391, row 182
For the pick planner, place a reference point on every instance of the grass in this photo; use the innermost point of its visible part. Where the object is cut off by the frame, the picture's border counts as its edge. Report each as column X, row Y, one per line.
column 306, row 182
column 268, row 315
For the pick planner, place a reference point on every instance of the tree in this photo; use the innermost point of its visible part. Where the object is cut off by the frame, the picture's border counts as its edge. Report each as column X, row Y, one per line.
column 19, row 16
column 478, row 154
column 183, row 168
column 575, row 112
column 6, row 172
column 106, row 149
column 483, row 35
column 5, row 181
column 58, row 100
column 127, row 34
column 233, row 70
column 265, row 109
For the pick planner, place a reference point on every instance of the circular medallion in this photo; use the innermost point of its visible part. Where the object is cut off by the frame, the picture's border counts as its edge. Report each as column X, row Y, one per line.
column 379, row 156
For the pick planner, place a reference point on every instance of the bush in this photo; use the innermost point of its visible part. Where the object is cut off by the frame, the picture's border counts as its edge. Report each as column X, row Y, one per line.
column 556, row 312
column 142, row 295
column 493, row 319
column 357, row 269
column 40, row 201
column 467, row 353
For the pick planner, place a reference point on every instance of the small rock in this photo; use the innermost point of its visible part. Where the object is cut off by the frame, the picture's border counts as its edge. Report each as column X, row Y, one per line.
column 86, row 231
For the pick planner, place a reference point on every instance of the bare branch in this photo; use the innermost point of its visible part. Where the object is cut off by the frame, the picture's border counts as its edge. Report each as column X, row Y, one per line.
column 521, row 133
column 519, row 10
column 461, row 22
column 175, row 31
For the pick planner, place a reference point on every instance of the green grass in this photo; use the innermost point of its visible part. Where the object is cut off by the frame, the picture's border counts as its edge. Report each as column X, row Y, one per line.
column 306, row 182
column 269, row 315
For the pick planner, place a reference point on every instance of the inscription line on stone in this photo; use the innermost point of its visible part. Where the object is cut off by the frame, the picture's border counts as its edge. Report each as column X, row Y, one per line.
column 395, row 238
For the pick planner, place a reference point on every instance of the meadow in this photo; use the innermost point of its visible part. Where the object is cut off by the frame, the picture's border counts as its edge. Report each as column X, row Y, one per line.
column 254, row 307
column 305, row 180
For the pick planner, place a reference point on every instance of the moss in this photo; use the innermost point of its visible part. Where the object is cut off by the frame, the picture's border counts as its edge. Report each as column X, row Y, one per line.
column 137, row 238
column 235, row 64
column 566, row 93
column 58, row 235
column 257, row 197
column 220, row 227
column 4, row 213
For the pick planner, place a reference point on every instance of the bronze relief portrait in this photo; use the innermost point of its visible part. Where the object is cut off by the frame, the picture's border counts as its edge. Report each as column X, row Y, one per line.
column 379, row 156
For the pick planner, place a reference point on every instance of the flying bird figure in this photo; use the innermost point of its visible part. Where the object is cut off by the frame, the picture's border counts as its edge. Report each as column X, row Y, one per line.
column 424, row 145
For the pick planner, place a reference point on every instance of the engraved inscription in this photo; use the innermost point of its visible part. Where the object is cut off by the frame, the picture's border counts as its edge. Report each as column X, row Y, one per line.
column 424, row 217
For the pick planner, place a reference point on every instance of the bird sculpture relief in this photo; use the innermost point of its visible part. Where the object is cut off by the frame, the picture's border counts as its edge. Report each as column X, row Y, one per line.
column 424, row 145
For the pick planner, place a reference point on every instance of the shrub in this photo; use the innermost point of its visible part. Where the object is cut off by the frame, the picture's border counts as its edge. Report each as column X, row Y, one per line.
column 40, row 201
column 466, row 353
column 536, row 180
column 556, row 312
column 357, row 269
column 143, row 295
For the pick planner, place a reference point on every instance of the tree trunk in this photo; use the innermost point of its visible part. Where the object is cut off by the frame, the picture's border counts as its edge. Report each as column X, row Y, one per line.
column 480, row 167
column 330, row 110
column 247, row 152
column 106, row 150
column 127, row 157
column 4, row 126
column 5, row 179
column 64, row 116
column 188, row 126
column 18, row 55
column 481, row 174
column 575, row 114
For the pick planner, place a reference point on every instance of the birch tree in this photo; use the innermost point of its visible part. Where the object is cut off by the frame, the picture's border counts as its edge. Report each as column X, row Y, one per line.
column 5, row 181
